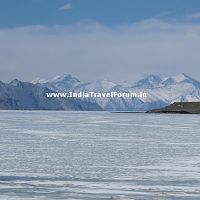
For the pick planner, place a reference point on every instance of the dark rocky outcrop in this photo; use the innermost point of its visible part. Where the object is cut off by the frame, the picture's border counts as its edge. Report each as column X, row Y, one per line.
column 179, row 108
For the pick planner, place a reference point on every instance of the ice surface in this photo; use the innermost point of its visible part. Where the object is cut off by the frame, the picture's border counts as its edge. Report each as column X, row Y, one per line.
column 99, row 155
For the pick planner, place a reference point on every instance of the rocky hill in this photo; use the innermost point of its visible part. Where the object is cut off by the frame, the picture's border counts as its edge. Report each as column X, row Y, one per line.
column 180, row 107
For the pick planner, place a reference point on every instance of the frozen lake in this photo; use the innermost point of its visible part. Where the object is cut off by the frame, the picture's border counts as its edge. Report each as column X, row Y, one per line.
column 99, row 155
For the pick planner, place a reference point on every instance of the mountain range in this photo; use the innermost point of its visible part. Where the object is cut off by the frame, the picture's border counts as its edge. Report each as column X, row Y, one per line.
column 160, row 92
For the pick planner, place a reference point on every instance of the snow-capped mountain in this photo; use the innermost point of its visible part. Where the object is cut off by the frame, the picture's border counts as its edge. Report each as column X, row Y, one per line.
column 64, row 82
column 20, row 95
column 160, row 92
column 172, row 89
column 149, row 82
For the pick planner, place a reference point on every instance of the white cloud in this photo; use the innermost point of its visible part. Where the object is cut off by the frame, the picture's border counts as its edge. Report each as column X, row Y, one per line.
column 65, row 7
column 90, row 50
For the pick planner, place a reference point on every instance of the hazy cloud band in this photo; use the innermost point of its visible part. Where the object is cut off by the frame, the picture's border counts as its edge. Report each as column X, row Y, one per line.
column 93, row 51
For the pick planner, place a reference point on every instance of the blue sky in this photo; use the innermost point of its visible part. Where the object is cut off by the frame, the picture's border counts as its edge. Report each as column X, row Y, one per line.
column 14, row 13
column 99, row 39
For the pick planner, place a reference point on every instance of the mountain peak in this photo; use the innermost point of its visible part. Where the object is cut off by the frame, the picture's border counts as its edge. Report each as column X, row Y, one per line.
column 59, row 78
column 150, row 81
column 65, row 82
column 106, row 83
column 64, row 77
column 103, row 85
column 180, row 77
column 38, row 80
column 15, row 82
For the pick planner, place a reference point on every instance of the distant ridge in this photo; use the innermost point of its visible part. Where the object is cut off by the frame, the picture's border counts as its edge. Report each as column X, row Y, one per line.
column 18, row 95
column 160, row 93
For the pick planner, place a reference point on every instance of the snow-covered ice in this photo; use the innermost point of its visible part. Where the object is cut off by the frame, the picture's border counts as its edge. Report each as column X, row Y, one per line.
column 99, row 155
